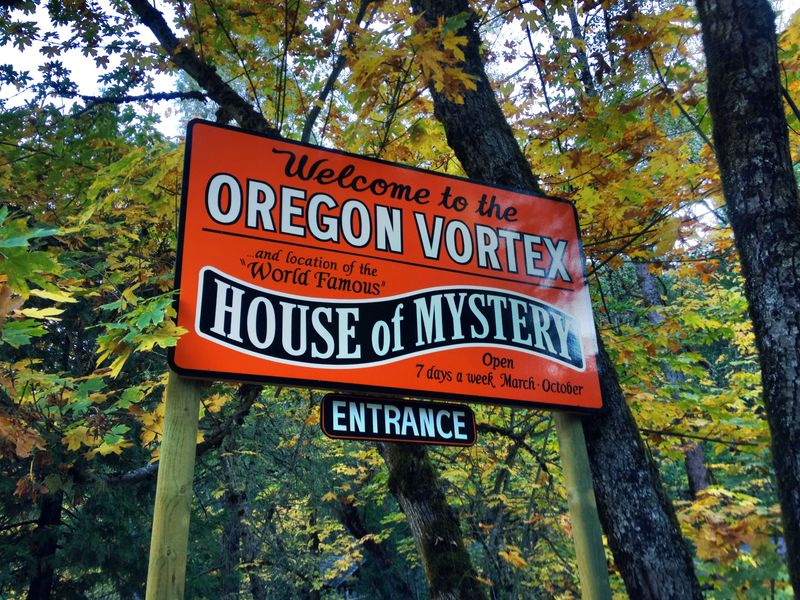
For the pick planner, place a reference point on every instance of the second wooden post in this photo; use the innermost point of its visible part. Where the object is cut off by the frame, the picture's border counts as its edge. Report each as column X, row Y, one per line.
column 586, row 531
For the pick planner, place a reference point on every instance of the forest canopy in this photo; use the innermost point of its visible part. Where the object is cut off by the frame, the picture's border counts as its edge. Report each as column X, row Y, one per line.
column 608, row 103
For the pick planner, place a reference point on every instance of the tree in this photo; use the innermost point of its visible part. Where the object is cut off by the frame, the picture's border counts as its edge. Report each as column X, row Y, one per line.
column 752, row 146
column 606, row 101
column 627, row 486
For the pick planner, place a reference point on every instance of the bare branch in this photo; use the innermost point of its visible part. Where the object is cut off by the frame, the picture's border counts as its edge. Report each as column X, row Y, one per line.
column 238, row 54
column 680, row 434
column 93, row 101
column 695, row 125
column 155, row 97
column 790, row 102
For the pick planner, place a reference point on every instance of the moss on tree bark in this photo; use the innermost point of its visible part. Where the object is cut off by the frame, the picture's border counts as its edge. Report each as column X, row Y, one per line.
column 413, row 481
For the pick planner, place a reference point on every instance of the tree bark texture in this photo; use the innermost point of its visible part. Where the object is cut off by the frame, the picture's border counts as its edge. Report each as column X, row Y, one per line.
column 434, row 525
column 45, row 544
column 752, row 147
column 638, row 518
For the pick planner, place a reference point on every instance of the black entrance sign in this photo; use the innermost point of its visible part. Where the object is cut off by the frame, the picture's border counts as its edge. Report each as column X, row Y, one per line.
column 381, row 419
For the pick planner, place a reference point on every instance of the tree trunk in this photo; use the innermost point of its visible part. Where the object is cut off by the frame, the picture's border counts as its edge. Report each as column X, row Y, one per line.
column 239, row 544
column 752, row 147
column 234, row 503
column 352, row 521
column 437, row 534
column 638, row 518
column 45, row 543
column 694, row 458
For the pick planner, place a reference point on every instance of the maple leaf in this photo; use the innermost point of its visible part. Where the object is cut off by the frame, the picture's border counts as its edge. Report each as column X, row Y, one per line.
column 77, row 436
column 165, row 336
column 513, row 557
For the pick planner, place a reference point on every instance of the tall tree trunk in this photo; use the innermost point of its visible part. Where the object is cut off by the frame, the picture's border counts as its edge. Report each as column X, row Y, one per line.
column 752, row 147
column 235, row 505
column 240, row 546
column 638, row 518
column 437, row 534
column 45, row 544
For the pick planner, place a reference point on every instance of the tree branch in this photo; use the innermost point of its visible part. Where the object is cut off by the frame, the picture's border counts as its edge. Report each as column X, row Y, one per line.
column 670, row 433
column 236, row 51
column 93, row 101
column 341, row 60
column 518, row 438
column 203, row 73
column 686, row 115
column 247, row 395
column 155, row 96
column 790, row 102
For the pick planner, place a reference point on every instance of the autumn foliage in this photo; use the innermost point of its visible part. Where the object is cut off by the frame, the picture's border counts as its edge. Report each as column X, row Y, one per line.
column 607, row 100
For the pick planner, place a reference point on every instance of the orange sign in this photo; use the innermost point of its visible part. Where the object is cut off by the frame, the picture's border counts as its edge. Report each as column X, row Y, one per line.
column 318, row 268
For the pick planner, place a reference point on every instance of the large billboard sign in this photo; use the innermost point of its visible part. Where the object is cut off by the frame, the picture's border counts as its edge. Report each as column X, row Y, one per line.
column 318, row 268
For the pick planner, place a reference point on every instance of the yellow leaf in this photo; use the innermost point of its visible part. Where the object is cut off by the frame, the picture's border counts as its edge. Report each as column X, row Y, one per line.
column 42, row 313
column 513, row 557
column 164, row 336
column 58, row 296
column 105, row 449
column 668, row 236
column 328, row 496
column 214, row 404
column 119, row 362
column 313, row 417
column 75, row 437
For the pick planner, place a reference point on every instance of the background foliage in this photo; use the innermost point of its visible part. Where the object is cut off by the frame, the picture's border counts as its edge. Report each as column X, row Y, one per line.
column 606, row 98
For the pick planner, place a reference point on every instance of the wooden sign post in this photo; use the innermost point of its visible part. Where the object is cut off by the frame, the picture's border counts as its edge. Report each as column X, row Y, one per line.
column 586, row 532
column 166, row 571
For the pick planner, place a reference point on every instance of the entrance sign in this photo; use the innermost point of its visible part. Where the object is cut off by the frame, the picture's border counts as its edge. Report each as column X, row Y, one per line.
column 385, row 420
column 322, row 269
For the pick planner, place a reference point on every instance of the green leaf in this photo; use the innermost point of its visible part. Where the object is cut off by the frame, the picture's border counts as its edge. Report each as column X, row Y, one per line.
column 153, row 314
column 130, row 396
column 89, row 386
column 19, row 333
column 455, row 23
column 53, row 483
column 23, row 267
column 21, row 241
column 79, row 407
